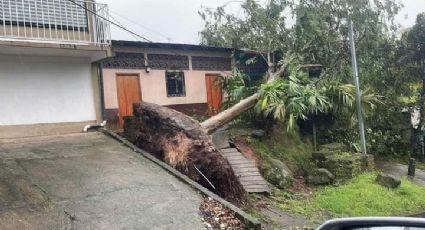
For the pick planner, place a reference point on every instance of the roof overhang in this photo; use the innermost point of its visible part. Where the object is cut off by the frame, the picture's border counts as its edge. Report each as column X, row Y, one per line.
column 89, row 52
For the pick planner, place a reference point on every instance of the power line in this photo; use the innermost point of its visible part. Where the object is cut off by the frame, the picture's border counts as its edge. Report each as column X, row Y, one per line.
column 117, row 23
column 113, row 23
column 229, row 2
column 113, row 18
column 141, row 26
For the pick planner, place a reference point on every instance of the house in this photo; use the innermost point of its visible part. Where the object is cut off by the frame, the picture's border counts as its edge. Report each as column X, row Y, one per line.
column 49, row 53
column 179, row 76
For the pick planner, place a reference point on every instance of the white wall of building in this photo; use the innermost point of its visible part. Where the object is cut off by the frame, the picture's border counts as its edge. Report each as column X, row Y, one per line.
column 36, row 90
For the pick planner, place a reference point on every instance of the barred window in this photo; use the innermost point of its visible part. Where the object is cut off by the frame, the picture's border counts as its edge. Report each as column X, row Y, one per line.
column 175, row 84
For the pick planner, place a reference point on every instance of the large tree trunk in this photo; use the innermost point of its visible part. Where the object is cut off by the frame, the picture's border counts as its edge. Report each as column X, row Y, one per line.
column 228, row 115
column 231, row 113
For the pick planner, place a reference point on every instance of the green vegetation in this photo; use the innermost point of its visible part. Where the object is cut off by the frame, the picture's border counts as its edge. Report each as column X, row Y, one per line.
column 315, row 44
column 287, row 147
column 298, row 97
column 360, row 197
column 306, row 85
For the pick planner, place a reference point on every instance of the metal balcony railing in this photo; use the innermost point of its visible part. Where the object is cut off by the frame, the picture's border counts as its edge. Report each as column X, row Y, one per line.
column 55, row 21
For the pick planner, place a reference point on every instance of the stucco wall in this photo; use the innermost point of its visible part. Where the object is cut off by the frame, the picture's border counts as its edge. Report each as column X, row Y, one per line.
column 153, row 87
column 37, row 90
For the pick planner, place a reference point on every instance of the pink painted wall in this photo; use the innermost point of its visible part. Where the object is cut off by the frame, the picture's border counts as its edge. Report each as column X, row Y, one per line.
column 153, row 86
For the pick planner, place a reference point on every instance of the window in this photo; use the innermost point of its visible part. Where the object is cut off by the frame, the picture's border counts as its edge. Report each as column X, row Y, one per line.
column 175, row 84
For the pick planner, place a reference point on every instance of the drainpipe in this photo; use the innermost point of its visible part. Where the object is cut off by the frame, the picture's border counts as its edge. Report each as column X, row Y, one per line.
column 102, row 93
column 102, row 101
column 96, row 126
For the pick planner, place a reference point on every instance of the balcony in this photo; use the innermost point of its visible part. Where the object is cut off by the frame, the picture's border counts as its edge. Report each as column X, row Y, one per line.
column 60, row 22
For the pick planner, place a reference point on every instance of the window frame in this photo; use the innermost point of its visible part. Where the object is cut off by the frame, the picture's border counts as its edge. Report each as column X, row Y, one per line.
column 183, row 82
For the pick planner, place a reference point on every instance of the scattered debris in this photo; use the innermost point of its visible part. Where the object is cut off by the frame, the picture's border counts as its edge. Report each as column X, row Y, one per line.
column 388, row 180
column 320, row 176
column 216, row 216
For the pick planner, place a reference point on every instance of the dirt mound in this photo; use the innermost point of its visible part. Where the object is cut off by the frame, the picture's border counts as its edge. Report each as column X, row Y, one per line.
column 181, row 142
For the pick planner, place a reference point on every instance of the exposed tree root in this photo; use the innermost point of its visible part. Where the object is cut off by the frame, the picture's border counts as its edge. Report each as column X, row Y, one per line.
column 181, row 142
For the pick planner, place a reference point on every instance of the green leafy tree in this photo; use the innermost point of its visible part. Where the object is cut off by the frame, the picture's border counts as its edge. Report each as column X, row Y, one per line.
column 413, row 49
column 319, row 35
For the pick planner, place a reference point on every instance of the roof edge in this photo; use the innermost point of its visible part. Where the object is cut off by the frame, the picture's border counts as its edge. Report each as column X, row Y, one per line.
column 174, row 46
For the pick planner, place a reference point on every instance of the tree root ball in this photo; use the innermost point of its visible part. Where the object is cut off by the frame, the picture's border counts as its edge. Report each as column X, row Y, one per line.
column 181, row 142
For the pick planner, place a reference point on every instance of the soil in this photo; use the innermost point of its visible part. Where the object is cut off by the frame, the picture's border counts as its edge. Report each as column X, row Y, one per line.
column 299, row 187
column 246, row 150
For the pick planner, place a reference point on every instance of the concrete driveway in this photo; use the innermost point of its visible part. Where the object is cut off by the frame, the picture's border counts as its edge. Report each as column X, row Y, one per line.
column 89, row 181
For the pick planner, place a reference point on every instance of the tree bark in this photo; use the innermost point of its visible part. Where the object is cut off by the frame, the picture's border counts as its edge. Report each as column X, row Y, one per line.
column 217, row 121
column 227, row 115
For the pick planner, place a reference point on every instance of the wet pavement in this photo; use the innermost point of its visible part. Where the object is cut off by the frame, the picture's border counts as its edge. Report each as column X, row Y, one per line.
column 400, row 170
column 89, row 181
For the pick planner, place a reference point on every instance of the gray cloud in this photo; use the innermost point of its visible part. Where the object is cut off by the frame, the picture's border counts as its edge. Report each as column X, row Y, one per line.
column 178, row 21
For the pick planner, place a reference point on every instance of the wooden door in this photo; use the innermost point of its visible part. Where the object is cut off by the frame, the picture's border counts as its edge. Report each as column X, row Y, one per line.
column 128, row 91
column 214, row 94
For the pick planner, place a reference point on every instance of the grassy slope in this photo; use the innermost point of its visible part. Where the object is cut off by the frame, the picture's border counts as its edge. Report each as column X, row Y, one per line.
column 288, row 148
column 361, row 197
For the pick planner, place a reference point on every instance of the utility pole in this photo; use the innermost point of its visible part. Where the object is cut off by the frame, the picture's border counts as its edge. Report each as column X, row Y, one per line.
column 358, row 92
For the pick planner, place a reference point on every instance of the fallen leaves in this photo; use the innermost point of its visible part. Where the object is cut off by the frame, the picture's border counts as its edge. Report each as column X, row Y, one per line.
column 216, row 216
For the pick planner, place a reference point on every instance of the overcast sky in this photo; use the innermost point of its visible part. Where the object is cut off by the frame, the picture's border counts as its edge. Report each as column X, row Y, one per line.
column 177, row 21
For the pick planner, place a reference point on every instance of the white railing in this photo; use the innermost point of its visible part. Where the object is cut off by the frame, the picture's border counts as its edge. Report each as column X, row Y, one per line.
column 55, row 21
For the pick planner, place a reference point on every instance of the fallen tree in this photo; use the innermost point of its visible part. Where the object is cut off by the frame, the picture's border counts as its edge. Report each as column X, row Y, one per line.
column 181, row 142
column 224, row 117
column 228, row 115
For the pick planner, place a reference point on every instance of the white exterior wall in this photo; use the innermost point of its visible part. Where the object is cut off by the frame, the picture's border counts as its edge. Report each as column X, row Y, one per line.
column 36, row 90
